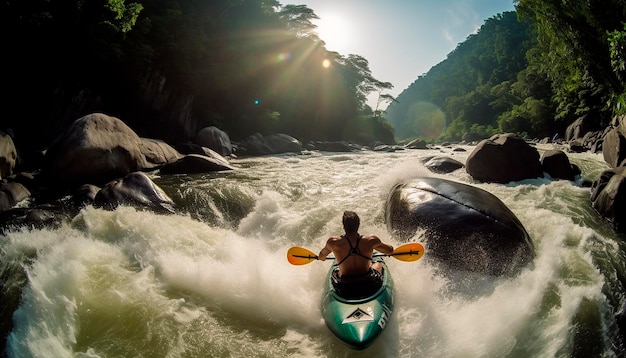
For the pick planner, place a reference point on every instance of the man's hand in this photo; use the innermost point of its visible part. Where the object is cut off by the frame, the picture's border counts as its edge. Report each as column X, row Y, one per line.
column 323, row 254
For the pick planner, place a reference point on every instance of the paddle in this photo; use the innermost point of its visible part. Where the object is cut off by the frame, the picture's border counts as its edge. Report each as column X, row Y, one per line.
column 407, row 252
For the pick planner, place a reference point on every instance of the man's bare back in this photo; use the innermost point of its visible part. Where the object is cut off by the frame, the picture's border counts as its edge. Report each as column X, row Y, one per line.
column 354, row 264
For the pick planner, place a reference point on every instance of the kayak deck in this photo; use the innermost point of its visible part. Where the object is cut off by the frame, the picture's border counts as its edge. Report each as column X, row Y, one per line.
column 358, row 322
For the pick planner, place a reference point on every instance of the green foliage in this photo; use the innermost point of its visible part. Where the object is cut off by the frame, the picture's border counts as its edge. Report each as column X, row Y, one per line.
column 617, row 48
column 471, row 88
column 564, row 59
column 125, row 16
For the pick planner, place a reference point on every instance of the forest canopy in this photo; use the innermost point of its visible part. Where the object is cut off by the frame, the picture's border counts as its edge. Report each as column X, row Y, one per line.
column 169, row 68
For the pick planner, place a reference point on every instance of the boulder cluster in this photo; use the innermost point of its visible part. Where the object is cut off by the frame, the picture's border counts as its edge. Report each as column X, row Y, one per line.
column 99, row 160
column 506, row 158
column 102, row 161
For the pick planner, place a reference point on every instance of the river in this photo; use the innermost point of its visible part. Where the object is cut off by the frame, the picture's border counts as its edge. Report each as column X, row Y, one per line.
column 213, row 281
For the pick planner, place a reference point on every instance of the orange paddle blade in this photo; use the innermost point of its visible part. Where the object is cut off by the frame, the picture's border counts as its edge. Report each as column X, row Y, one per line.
column 300, row 256
column 408, row 252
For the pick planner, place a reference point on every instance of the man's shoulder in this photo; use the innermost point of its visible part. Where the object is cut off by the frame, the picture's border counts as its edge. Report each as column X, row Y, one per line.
column 371, row 237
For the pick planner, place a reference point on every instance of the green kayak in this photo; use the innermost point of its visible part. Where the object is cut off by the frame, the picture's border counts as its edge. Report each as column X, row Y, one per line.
column 358, row 321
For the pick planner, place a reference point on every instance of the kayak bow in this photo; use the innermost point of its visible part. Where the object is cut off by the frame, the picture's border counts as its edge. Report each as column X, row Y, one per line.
column 358, row 322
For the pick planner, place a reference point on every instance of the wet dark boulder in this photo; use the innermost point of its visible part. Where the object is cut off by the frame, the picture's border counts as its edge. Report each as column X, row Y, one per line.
column 11, row 193
column 278, row 143
column 32, row 218
column 614, row 147
column 463, row 226
column 137, row 190
column 441, row 164
column 8, row 155
column 608, row 196
column 556, row 163
column 216, row 139
column 194, row 163
column 503, row 158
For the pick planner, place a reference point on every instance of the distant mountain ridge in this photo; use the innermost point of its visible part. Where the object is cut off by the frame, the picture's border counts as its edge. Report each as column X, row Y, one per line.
column 461, row 94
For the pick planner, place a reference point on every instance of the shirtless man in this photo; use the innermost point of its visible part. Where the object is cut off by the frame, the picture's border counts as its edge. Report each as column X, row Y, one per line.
column 353, row 252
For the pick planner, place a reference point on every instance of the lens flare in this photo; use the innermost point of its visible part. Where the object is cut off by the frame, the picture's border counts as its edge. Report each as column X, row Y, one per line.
column 426, row 120
column 326, row 63
column 282, row 57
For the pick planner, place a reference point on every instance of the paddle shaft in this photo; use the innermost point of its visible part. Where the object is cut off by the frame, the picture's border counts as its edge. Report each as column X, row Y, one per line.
column 406, row 252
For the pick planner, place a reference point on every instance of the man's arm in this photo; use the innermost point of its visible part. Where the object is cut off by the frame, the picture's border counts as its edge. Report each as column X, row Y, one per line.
column 324, row 252
column 382, row 247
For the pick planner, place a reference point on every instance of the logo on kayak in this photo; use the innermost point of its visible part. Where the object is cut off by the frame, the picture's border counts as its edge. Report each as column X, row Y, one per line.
column 382, row 323
column 358, row 316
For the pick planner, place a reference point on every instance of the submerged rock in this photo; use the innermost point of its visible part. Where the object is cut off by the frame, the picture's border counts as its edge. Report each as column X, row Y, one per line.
column 136, row 190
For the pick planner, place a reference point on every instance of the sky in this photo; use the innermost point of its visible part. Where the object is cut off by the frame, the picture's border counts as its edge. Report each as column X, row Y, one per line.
column 401, row 39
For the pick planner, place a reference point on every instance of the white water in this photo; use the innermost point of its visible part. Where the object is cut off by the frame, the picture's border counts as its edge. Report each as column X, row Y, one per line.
column 130, row 283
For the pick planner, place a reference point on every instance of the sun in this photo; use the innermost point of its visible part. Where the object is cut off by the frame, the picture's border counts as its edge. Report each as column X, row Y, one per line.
column 335, row 31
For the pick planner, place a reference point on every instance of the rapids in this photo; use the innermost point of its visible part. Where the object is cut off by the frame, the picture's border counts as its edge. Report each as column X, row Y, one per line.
column 213, row 281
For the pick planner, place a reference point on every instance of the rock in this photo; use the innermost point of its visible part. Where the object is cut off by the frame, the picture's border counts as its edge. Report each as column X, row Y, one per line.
column 94, row 149
column 37, row 218
column 136, row 190
column 582, row 125
column 326, row 146
column 194, row 163
column 416, row 144
column 557, row 165
column 463, row 226
column 215, row 139
column 85, row 195
column 608, row 196
column 12, row 193
column 158, row 152
column 257, row 144
column 614, row 148
column 502, row 159
column 441, row 164
column 8, row 155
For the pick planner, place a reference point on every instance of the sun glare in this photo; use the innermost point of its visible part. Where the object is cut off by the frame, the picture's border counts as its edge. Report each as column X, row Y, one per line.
column 334, row 30
column 326, row 63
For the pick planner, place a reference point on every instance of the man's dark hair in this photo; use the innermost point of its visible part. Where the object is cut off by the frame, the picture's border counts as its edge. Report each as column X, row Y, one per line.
column 351, row 221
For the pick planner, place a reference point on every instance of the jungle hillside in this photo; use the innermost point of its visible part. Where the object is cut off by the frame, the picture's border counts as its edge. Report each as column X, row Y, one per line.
column 530, row 72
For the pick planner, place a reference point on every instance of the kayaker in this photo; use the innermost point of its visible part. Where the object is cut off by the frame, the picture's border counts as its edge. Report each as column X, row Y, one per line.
column 357, row 274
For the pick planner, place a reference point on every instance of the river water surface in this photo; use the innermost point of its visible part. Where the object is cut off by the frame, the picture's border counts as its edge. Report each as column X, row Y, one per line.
column 214, row 281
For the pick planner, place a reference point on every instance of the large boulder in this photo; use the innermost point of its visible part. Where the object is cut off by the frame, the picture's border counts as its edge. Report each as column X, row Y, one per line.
column 278, row 143
column 608, row 196
column 614, row 147
column 8, row 155
column 463, row 226
column 583, row 125
column 137, row 190
column 158, row 152
column 215, row 139
column 556, row 163
column 94, row 149
column 503, row 158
